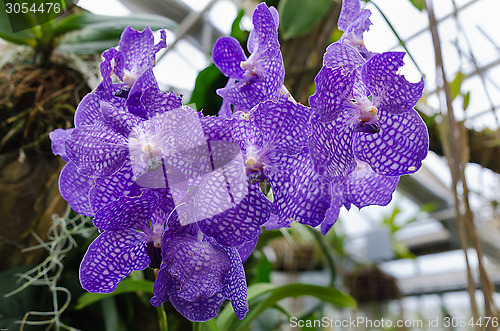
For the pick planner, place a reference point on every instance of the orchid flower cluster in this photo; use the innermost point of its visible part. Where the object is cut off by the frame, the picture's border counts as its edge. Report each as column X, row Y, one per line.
column 181, row 192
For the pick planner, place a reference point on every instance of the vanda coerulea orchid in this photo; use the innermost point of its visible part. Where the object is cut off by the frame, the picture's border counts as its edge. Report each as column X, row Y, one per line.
column 180, row 192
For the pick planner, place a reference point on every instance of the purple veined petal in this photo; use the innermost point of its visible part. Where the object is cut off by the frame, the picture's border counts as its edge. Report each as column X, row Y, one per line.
column 244, row 132
column 156, row 102
column 364, row 187
column 120, row 119
column 400, row 146
column 263, row 40
column 235, row 288
column 330, row 145
column 128, row 212
column 391, row 91
column 58, row 139
column 107, row 189
column 166, row 288
column 111, row 257
column 333, row 86
column 216, row 128
column 228, row 55
column 283, row 124
column 340, row 54
column 162, row 43
column 241, row 223
column 137, row 47
column 75, row 188
column 225, row 110
column 218, row 191
column 300, row 194
column 350, row 8
column 275, row 223
column 354, row 33
column 96, row 150
column 145, row 81
column 332, row 214
column 199, row 266
column 265, row 85
column 163, row 286
column 246, row 249
column 114, row 62
column 275, row 75
column 175, row 137
column 88, row 111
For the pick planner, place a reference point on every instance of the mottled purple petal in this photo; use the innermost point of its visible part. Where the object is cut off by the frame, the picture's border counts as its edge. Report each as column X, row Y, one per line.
column 236, row 285
column 127, row 212
column 246, row 249
column 354, row 33
column 96, row 150
column 400, row 146
column 199, row 266
column 114, row 62
column 218, row 191
column 332, row 214
column 156, row 102
column 137, row 46
column 263, row 39
column 275, row 223
column 248, row 93
column 240, row 223
column 120, row 119
column 112, row 257
column 283, row 124
column 75, row 188
column 145, row 81
column 364, row 187
column 333, row 86
column 107, row 189
column 340, row 54
column 88, row 110
column 216, row 128
column 166, row 288
column 300, row 194
column 391, row 91
column 331, row 146
column 58, row 139
column 350, row 8
column 162, row 43
column 227, row 55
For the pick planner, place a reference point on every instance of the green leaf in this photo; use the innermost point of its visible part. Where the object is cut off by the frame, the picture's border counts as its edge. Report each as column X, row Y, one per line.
column 456, row 84
column 208, row 80
column 419, row 4
column 95, row 33
column 402, row 251
column 236, row 31
column 466, row 97
column 299, row 17
column 125, row 286
column 277, row 293
column 227, row 315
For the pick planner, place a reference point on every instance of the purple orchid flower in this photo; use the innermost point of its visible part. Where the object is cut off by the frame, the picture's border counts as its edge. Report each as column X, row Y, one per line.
column 134, row 55
column 384, row 131
column 273, row 140
column 197, row 274
column 354, row 22
column 362, row 187
column 258, row 77
column 131, row 227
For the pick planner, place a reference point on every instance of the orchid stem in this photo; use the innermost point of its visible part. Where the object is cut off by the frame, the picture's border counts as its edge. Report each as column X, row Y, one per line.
column 196, row 326
column 162, row 318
